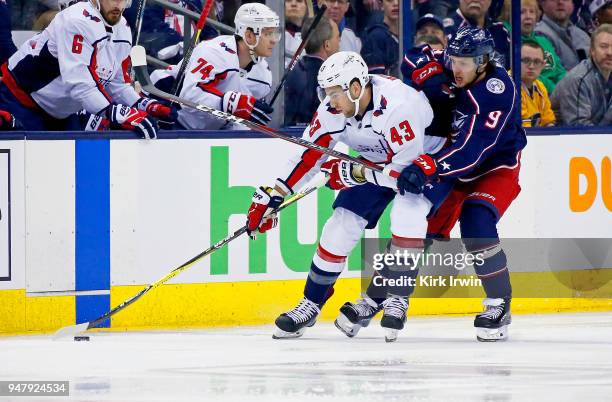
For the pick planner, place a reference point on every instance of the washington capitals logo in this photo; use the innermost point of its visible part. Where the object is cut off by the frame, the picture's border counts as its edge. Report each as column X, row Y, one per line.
column 91, row 17
column 383, row 106
column 224, row 46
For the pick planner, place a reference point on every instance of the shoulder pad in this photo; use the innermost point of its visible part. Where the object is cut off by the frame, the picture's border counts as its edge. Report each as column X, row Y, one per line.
column 80, row 18
column 390, row 95
column 494, row 92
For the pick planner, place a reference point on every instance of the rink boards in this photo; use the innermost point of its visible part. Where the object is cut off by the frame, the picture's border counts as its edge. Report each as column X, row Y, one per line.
column 86, row 222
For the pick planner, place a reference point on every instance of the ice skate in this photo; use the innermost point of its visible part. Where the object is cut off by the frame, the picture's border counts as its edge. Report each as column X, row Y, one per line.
column 492, row 324
column 293, row 323
column 354, row 316
column 394, row 316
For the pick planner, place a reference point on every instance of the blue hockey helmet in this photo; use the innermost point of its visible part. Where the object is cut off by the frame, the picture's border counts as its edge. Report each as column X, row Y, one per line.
column 471, row 41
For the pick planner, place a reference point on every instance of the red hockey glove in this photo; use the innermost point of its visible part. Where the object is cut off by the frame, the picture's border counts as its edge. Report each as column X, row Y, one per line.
column 165, row 114
column 429, row 70
column 247, row 107
column 263, row 202
column 340, row 174
column 130, row 118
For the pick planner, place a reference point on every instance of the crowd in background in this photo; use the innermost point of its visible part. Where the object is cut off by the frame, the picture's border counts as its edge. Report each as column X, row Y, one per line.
column 566, row 52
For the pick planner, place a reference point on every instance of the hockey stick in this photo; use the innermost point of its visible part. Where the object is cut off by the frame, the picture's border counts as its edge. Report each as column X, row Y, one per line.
column 187, row 55
column 139, row 15
column 139, row 61
column 297, row 53
column 73, row 330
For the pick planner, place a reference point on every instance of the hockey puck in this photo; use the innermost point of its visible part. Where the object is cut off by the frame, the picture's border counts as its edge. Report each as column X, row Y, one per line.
column 81, row 338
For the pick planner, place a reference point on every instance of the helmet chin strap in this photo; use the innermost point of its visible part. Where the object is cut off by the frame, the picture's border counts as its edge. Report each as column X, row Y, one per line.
column 355, row 101
column 256, row 59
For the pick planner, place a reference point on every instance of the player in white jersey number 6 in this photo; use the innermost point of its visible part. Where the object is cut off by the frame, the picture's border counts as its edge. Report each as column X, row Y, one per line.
column 384, row 121
column 78, row 62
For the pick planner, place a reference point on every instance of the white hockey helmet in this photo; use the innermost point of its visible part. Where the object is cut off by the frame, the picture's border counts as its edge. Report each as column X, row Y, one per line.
column 342, row 69
column 255, row 16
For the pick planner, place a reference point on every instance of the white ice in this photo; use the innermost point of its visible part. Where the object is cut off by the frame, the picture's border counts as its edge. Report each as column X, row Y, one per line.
column 554, row 357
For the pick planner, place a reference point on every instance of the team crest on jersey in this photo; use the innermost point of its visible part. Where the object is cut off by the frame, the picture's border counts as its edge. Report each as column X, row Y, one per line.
column 496, row 86
column 383, row 106
column 91, row 17
column 459, row 119
column 224, row 46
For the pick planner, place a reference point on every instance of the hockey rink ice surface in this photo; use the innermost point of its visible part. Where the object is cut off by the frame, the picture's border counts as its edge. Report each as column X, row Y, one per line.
column 560, row 357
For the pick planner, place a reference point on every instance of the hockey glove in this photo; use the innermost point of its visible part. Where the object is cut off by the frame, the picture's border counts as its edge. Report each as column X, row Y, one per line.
column 342, row 174
column 264, row 201
column 166, row 115
column 414, row 176
column 424, row 73
column 130, row 118
column 8, row 121
column 247, row 107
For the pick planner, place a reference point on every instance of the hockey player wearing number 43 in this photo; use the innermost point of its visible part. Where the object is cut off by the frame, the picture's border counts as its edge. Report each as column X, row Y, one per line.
column 475, row 179
column 228, row 72
column 384, row 121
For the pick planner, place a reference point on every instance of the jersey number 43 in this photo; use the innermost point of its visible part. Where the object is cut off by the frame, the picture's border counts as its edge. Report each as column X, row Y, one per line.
column 407, row 134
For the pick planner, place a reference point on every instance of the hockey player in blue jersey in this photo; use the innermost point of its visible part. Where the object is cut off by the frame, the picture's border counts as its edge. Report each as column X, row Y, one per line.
column 475, row 178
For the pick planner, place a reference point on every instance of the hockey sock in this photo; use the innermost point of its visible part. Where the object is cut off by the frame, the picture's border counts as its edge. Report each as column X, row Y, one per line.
column 397, row 278
column 479, row 233
column 319, row 284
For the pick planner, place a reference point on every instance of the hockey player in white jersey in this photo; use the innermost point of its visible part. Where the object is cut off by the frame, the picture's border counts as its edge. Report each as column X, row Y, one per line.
column 228, row 72
column 384, row 121
column 79, row 62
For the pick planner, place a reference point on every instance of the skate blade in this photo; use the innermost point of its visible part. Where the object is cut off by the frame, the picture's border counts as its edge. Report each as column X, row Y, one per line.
column 346, row 326
column 492, row 334
column 391, row 335
column 280, row 334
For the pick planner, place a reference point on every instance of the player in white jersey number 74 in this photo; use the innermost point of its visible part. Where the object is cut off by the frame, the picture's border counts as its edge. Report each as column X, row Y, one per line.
column 383, row 120
column 79, row 62
column 229, row 72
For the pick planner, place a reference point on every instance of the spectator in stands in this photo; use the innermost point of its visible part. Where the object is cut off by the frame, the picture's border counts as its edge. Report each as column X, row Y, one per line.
column 535, row 109
column 301, row 86
column 430, row 25
column 601, row 10
column 583, row 97
column 571, row 43
column 554, row 71
column 433, row 42
column 364, row 13
column 474, row 12
column 295, row 12
column 381, row 42
column 7, row 47
column 336, row 10
column 441, row 8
